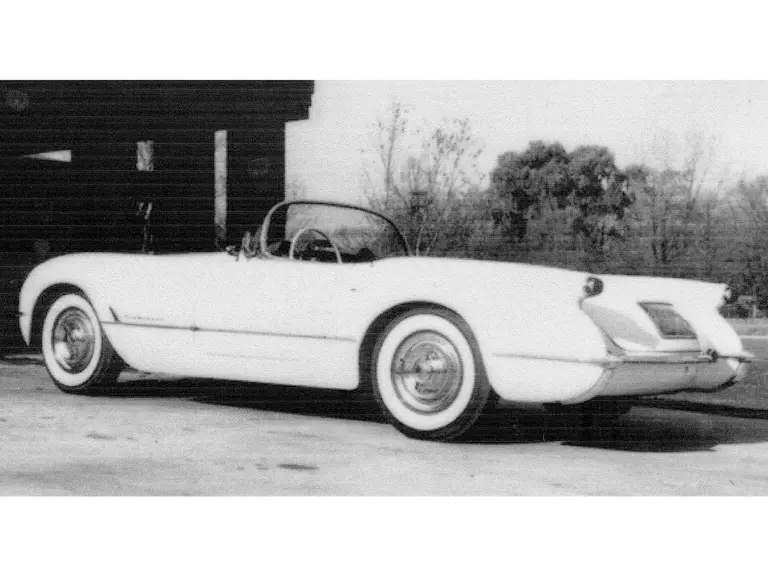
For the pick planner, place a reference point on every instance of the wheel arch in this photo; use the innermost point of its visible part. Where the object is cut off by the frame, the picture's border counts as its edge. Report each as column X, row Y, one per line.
column 43, row 302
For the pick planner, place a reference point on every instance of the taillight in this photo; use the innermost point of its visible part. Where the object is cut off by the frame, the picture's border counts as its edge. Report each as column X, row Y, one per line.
column 592, row 287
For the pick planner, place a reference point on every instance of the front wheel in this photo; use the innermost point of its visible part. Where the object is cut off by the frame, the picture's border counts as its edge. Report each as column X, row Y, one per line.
column 428, row 377
column 77, row 354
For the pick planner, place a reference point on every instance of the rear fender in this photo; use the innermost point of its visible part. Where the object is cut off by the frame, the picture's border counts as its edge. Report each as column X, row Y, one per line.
column 619, row 314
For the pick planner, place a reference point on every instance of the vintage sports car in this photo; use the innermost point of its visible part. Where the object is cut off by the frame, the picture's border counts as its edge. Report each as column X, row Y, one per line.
column 332, row 302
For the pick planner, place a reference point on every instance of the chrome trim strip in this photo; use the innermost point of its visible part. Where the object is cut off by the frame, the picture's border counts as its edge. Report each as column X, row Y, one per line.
column 222, row 331
column 663, row 359
column 600, row 361
column 613, row 360
column 138, row 325
column 745, row 356
column 254, row 357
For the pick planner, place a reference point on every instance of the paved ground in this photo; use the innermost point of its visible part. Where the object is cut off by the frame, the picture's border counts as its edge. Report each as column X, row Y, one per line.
column 160, row 436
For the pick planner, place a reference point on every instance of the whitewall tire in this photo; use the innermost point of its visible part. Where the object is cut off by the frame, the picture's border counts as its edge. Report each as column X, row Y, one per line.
column 77, row 354
column 427, row 375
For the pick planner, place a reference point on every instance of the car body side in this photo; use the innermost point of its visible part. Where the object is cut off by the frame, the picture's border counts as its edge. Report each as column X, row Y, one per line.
column 308, row 323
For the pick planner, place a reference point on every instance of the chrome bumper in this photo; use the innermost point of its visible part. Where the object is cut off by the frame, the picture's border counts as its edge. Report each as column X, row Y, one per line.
column 613, row 360
column 634, row 374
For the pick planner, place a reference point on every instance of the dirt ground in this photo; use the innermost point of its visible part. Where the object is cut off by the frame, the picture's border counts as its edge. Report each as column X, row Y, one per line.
column 164, row 436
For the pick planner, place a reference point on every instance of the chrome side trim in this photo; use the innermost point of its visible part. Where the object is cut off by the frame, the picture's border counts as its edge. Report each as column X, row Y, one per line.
column 222, row 331
column 613, row 360
column 598, row 361
column 139, row 325
column 745, row 356
column 664, row 358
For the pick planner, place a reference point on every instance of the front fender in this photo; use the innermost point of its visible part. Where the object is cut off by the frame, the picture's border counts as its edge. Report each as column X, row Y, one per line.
column 57, row 272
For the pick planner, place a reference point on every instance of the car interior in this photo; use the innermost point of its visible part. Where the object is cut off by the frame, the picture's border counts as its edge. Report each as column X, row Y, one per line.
column 308, row 246
column 322, row 250
column 303, row 235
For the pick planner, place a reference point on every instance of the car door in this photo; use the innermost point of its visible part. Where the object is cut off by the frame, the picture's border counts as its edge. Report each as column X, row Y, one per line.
column 281, row 321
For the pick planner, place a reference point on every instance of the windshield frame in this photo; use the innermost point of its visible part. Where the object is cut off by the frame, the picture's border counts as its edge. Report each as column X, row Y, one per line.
column 287, row 203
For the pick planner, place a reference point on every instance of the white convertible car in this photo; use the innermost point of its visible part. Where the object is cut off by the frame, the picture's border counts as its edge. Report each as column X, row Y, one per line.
column 313, row 302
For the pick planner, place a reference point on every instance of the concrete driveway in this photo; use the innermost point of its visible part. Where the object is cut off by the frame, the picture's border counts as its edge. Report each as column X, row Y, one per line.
column 164, row 436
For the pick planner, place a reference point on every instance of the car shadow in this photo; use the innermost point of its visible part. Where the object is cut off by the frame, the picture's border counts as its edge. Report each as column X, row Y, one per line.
column 654, row 425
column 351, row 405
column 660, row 432
column 704, row 408
column 655, row 436
column 16, row 358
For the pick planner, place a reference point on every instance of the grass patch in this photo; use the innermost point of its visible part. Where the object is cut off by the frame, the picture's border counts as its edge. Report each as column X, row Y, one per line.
column 750, row 326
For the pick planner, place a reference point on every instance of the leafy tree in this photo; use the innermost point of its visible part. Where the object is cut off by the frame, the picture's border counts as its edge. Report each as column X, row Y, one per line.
column 599, row 195
column 528, row 183
column 555, row 194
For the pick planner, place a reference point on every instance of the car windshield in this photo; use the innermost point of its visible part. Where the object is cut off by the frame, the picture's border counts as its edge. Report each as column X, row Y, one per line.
column 318, row 231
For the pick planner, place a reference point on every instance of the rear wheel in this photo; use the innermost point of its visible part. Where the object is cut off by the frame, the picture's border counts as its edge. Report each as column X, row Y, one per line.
column 428, row 377
column 76, row 351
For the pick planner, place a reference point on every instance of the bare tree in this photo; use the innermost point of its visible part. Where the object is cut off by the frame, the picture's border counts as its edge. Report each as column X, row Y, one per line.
column 296, row 189
column 389, row 137
column 428, row 188
column 675, row 205
column 748, row 248
column 709, row 236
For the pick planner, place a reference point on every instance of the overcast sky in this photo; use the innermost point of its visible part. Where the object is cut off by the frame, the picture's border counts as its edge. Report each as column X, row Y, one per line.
column 632, row 118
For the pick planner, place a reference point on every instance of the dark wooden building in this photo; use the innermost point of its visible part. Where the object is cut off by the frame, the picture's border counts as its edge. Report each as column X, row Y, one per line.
column 81, row 162
column 121, row 144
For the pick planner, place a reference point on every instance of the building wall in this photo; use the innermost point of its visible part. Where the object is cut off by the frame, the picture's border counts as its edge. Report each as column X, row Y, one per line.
column 96, row 195
column 92, row 202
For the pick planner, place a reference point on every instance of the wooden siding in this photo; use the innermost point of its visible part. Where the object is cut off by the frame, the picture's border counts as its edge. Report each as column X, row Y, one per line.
column 91, row 202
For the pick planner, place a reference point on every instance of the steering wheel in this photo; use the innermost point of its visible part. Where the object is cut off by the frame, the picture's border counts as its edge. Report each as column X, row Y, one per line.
column 303, row 231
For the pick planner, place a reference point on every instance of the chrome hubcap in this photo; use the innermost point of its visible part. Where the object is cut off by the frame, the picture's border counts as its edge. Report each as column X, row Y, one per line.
column 426, row 372
column 73, row 340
